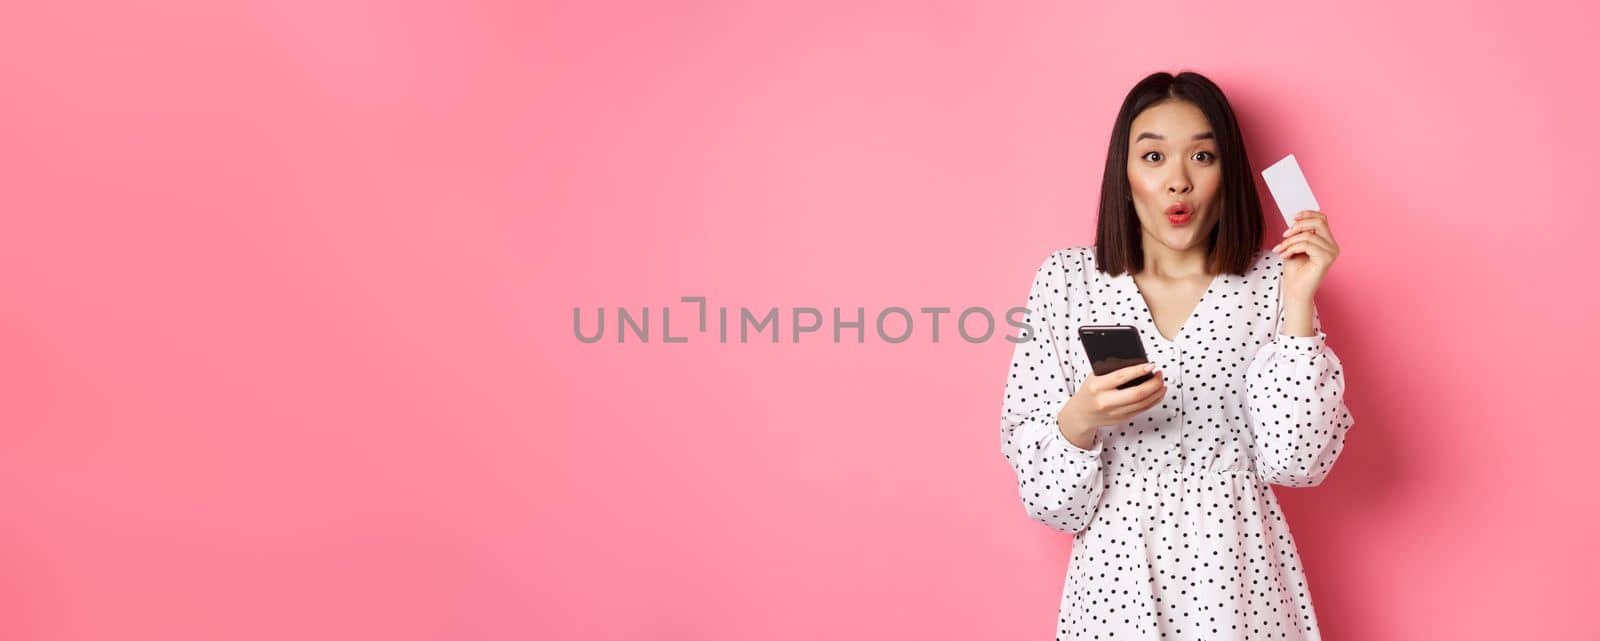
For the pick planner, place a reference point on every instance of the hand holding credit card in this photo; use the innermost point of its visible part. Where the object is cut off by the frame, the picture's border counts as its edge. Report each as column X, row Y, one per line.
column 1289, row 188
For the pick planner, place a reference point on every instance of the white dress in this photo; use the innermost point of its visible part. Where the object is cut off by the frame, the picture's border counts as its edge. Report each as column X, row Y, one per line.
column 1176, row 531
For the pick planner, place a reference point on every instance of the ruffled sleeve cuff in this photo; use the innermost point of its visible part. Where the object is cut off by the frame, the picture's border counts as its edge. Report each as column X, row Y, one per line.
column 1301, row 345
column 1090, row 455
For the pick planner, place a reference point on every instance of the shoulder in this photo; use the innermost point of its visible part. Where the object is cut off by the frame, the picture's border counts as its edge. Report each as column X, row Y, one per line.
column 1266, row 272
column 1268, row 263
column 1063, row 270
column 1067, row 259
column 1270, row 258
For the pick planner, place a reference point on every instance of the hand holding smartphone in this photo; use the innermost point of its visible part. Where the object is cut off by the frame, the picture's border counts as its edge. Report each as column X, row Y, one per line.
column 1123, row 384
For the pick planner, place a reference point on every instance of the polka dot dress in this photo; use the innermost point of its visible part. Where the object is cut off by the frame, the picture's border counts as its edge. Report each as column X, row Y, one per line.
column 1176, row 531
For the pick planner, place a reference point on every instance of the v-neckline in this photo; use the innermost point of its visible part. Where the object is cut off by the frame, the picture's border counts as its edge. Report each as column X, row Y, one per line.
column 1148, row 318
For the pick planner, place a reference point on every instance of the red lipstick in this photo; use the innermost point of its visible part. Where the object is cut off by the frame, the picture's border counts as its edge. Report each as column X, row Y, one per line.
column 1179, row 214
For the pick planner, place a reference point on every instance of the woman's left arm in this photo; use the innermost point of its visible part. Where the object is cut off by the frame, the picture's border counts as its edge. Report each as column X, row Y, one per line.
column 1295, row 383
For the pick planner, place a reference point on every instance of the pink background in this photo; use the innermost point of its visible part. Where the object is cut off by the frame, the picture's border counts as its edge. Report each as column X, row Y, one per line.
column 288, row 293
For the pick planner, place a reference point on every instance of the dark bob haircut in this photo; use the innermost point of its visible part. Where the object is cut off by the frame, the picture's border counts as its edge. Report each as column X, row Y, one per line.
column 1236, row 236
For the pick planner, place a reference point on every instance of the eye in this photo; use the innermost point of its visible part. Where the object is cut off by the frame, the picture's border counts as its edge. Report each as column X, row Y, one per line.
column 1208, row 155
column 1146, row 156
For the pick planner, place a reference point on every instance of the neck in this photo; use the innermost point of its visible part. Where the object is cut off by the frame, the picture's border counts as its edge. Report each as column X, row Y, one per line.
column 1165, row 262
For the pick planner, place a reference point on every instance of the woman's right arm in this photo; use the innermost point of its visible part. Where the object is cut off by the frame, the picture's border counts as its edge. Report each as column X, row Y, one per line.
column 1060, row 483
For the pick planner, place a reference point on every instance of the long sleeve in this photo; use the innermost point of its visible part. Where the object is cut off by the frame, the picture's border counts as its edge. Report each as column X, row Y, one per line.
column 1295, row 406
column 1059, row 483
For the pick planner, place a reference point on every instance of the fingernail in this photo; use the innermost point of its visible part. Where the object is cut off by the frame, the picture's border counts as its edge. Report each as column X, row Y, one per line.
column 1150, row 368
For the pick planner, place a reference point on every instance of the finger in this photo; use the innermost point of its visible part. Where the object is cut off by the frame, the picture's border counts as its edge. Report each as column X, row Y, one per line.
column 1289, row 239
column 1122, row 375
column 1119, row 397
column 1294, row 248
column 1310, row 246
column 1309, row 213
column 1142, row 406
column 1139, row 405
column 1302, row 237
column 1316, row 225
column 1310, row 239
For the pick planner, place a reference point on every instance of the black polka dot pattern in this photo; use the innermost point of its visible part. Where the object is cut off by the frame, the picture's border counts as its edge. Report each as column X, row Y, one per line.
column 1177, row 533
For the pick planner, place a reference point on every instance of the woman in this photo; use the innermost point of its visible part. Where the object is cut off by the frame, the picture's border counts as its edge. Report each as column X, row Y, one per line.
column 1165, row 486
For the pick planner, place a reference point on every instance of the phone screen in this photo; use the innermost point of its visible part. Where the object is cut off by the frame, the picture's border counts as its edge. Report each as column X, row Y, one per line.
column 1113, row 347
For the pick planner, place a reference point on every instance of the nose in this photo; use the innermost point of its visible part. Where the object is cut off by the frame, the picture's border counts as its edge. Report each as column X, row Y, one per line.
column 1178, row 182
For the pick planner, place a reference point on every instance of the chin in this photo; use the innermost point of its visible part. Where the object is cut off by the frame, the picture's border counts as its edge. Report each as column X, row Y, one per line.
column 1183, row 239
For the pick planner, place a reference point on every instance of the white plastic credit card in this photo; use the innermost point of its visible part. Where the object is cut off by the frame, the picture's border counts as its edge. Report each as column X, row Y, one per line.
column 1289, row 188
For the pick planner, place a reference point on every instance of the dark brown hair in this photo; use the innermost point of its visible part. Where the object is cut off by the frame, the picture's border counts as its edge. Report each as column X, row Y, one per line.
column 1236, row 236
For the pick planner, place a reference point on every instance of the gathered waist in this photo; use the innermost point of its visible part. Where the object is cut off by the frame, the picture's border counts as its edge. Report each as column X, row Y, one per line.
column 1173, row 469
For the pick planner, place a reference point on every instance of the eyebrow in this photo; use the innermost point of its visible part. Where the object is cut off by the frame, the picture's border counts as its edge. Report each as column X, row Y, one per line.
column 1205, row 136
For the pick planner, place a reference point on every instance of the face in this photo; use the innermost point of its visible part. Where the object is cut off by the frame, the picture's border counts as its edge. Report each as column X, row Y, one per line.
column 1172, row 159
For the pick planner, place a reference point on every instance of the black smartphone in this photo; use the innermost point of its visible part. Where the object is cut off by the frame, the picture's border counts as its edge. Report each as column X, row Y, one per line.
column 1113, row 347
